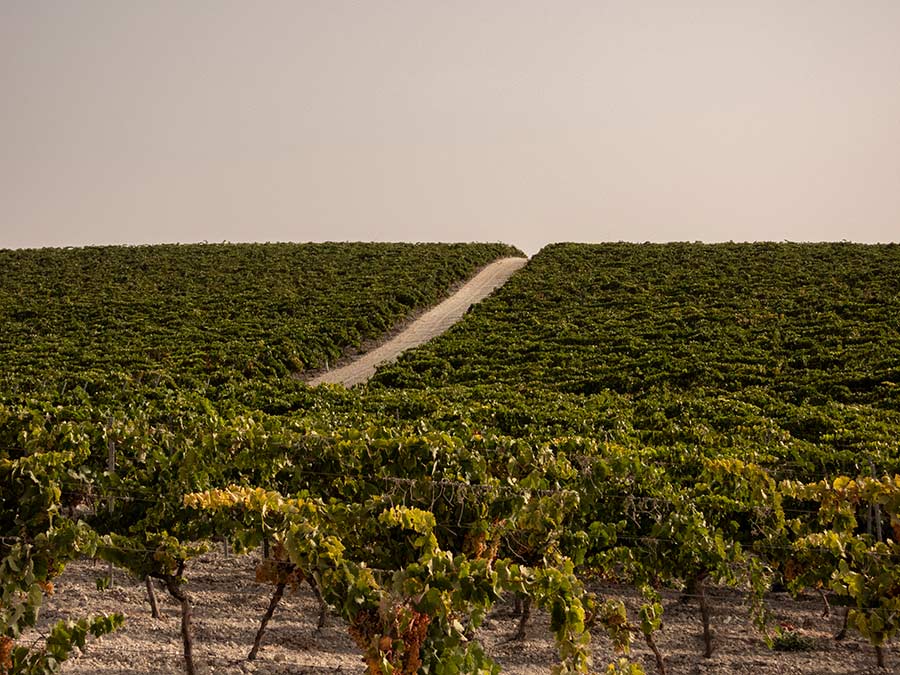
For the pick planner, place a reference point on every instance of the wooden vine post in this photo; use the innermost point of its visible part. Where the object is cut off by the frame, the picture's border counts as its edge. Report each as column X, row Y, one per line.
column 111, row 468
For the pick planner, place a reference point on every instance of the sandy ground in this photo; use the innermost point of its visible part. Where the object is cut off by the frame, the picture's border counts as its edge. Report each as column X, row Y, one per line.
column 228, row 604
column 431, row 324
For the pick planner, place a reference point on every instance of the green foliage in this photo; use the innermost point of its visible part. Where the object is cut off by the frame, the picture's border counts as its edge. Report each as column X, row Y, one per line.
column 624, row 667
column 419, row 612
column 36, row 542
column 210, row 317
column 64, row 637
column 783, row 353
column 788, row 639
column 661, row 416
column 829, row 551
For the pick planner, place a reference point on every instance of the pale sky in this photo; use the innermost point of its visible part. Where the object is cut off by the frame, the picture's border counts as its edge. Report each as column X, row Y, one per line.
column 127, row 121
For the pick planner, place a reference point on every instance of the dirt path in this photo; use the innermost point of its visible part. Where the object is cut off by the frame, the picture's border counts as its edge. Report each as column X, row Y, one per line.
column 428, row 326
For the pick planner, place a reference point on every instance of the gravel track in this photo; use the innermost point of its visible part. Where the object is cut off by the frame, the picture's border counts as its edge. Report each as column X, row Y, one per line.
column 428, row 326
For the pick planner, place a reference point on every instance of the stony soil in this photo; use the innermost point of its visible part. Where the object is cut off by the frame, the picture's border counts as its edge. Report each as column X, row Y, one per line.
column 228, row 604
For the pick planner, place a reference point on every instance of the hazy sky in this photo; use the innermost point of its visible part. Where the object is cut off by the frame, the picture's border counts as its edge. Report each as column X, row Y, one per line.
column 145, row 121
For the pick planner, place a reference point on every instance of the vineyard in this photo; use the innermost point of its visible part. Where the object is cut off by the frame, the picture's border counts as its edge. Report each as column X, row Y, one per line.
column 662, row 424
column 207, row 315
